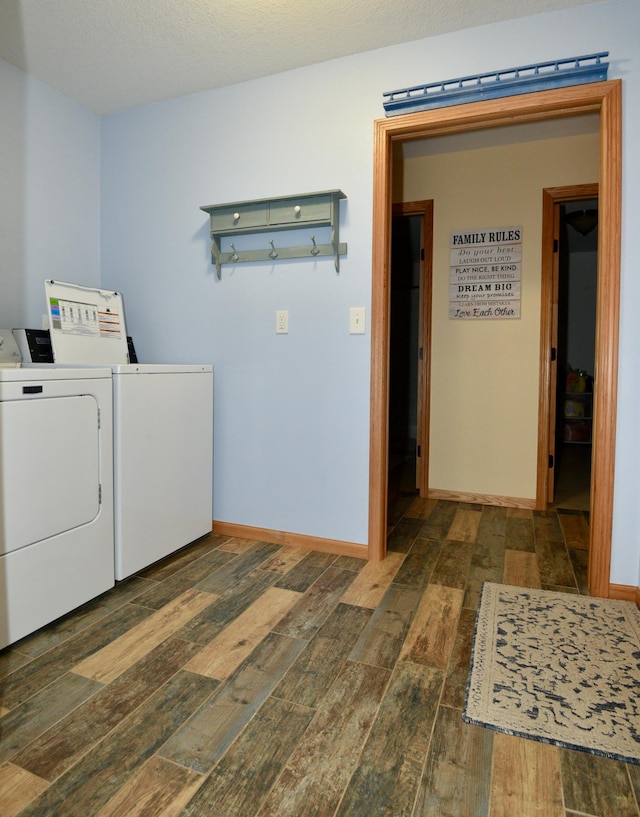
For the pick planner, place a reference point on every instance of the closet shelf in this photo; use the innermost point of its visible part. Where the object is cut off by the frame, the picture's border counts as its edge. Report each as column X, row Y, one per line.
column 308, row 210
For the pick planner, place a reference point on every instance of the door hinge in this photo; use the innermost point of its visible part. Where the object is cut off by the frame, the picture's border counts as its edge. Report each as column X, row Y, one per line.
column 420, row 353
column 554, row 353
column 550, row 460
column 99, row 420
column 422, row 254
column 99, row 494
column 555, row 245
column 418, row 450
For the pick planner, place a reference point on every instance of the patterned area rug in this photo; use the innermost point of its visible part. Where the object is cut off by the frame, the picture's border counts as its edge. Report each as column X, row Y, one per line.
column 558, row 668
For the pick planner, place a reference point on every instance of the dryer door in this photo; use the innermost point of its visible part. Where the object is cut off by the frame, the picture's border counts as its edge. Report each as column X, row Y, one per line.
column 49, row 468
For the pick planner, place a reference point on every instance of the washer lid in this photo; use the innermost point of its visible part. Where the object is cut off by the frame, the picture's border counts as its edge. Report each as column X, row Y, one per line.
column 162, row 368
column 86, row 324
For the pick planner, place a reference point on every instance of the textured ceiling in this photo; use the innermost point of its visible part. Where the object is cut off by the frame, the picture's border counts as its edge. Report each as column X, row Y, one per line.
column 110, row 55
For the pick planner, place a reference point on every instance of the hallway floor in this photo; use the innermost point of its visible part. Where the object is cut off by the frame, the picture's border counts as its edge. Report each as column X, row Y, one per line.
column 573, row 476
column 241, row 678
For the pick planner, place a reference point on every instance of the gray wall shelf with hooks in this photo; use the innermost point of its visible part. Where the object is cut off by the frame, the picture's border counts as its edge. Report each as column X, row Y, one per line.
column 269, row 215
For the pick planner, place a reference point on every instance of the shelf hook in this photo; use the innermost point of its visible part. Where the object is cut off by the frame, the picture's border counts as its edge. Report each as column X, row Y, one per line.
column 314, row 249
column 273, row 253
column 235, row 257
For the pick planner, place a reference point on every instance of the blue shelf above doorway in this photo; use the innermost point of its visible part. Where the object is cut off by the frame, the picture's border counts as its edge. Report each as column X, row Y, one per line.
column 525, row 79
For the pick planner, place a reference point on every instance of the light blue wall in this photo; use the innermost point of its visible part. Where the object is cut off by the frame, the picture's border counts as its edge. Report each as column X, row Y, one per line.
column 49, row 195
column 292, row 412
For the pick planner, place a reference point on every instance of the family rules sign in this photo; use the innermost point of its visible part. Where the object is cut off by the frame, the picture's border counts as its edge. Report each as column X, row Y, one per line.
column 485, row 274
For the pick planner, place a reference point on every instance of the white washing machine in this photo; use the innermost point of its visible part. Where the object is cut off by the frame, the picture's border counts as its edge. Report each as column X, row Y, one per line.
column 56, row 494
column 163, row 428
column 163, row 460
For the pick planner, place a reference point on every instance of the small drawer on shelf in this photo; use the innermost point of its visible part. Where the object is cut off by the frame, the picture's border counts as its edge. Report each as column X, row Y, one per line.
column 300, row 211
column 241, row 217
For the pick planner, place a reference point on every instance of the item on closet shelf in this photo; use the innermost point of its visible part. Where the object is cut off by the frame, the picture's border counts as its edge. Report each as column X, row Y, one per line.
column 577, row 410
column 573, row 408
column 578, row 432
column 577, row 381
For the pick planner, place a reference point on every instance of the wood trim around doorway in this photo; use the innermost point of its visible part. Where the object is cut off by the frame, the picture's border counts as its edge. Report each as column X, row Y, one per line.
column 604, row 98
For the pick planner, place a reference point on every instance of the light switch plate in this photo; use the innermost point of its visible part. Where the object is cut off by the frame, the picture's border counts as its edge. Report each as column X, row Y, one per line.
column 357, row 320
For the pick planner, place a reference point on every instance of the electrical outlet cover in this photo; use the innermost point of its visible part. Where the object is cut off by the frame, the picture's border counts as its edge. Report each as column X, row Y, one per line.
column 282, row 322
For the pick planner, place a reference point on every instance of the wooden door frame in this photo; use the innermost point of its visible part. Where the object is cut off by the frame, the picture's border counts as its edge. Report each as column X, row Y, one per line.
column 551, row 198
column 603, row 98
column 425, row 209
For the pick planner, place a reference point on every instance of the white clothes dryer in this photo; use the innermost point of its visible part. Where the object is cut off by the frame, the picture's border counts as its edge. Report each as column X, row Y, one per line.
column 56, row 494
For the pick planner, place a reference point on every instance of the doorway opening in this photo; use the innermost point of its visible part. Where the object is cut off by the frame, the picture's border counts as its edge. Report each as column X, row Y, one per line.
column 570, row 486
column 567, row 443
column 403, row 356
column 409, row 348
column 603, row 98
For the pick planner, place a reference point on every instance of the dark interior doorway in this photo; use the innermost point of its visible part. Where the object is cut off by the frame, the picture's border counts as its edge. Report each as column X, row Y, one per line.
column 404, row 345
column 577, row 302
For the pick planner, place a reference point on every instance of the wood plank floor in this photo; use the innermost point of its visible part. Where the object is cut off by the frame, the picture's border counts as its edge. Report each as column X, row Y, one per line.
column 245, row 679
